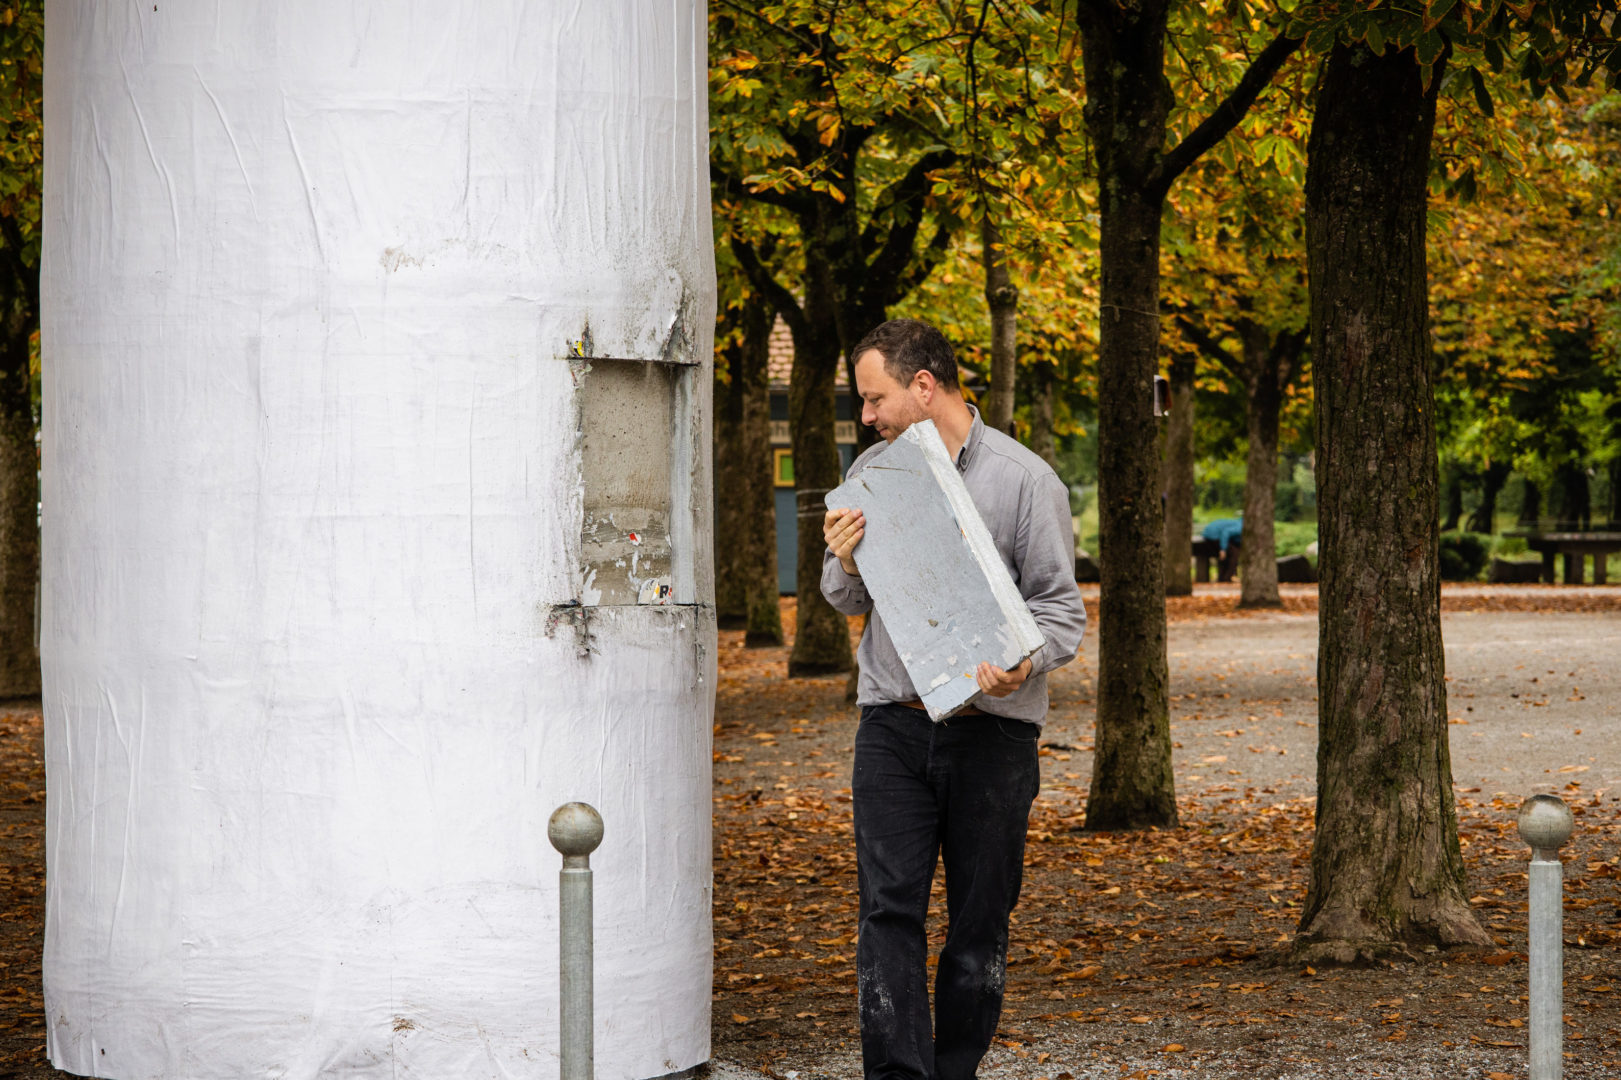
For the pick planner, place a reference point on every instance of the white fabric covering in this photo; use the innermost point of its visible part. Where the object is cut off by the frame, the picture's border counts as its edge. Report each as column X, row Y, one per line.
column 312, row 530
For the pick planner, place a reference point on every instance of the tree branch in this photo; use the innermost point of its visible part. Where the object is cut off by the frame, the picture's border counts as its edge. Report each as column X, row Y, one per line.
column 787, row 31
column 763, row 280
column 1225, row 116
column 909, row 188
column 796, row 202
column 1210, row 346
column 902, row 284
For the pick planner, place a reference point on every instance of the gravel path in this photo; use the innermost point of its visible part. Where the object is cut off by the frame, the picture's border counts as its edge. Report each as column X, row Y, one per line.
column 1533, row 699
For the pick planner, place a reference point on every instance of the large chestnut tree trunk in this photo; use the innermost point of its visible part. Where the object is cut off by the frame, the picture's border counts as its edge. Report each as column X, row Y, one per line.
column 1132, row 784
column 1127, row 102
column 1386, row 870
column 1123, row 53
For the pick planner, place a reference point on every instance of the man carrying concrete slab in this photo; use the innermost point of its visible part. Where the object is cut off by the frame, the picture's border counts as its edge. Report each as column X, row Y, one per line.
column 960, row 788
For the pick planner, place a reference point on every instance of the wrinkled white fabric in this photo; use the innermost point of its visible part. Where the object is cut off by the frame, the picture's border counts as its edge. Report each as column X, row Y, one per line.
column 313, row 680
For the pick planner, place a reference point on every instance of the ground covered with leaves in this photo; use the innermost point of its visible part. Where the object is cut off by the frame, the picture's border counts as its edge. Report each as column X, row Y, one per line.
column 1143, row 954
column 1133, row 955
column 22, row 892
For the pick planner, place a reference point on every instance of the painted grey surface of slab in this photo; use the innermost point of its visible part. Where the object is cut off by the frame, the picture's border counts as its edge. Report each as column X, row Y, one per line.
column 933, row 571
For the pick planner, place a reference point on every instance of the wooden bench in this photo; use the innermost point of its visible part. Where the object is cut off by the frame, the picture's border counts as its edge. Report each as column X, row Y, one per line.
column 1574, row 546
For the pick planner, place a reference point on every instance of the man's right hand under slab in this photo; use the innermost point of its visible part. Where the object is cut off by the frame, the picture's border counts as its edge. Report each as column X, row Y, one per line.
column 843, row 529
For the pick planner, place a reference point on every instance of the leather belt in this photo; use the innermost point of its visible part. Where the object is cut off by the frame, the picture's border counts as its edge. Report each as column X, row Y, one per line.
column 970, row 711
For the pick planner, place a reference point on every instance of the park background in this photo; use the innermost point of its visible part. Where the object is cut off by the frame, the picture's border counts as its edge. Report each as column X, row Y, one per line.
column 1373, row 250
column 1083, row 196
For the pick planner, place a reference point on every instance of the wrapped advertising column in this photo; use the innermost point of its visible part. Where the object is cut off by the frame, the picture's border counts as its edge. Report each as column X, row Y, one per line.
column 376, row 526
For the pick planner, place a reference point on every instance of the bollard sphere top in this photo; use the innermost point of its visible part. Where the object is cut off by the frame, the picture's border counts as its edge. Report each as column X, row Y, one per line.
column 576, row 828
column 1545, row 822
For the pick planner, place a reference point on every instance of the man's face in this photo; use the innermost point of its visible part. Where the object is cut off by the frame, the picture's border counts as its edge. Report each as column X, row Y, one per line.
column 886, row 405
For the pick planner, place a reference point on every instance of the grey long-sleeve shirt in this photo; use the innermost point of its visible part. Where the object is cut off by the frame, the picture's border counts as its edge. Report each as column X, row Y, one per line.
column 1026, row 510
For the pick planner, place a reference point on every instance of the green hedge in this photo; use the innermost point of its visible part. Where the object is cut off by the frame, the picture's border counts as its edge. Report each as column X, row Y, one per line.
column 1463, row 555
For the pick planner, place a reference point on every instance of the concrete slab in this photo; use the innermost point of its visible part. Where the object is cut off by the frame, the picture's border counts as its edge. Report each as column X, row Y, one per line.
column 933, row 570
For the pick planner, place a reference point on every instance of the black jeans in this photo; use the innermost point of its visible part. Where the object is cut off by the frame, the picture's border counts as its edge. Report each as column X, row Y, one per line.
column 961, row 789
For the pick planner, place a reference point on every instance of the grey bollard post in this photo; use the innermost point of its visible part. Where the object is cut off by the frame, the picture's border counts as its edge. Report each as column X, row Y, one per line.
column 1545, row 823
column 575, row 830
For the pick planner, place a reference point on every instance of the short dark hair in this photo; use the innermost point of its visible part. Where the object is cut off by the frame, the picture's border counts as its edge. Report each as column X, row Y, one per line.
column 909, row 346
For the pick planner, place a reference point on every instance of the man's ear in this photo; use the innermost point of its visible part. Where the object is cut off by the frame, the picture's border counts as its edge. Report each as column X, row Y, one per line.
column 925, row 383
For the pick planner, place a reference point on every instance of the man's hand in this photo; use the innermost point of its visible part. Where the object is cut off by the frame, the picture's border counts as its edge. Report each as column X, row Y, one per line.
column 843, row 529
column 998, row 683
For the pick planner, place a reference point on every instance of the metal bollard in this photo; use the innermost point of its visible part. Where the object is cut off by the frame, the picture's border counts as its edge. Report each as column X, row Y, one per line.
column 1545, row 823
column 575, row 829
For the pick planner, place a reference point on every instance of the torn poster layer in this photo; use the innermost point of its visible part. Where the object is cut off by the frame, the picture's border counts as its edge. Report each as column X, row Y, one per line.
column 947, row 599
column 340, row 601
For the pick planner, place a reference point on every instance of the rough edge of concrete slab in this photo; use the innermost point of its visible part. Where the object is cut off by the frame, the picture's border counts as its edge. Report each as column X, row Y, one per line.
column 1026, row 635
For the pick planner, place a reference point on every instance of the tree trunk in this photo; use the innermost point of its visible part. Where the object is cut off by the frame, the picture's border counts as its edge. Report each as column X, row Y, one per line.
column 1178, row 479
column 1002, row 297
column 821, row 635
column 1452, row 497
column 1387, row 871
column 1530, row 504
column 1042, row 440
column 1257, row 556
column 731, row 515
column 19, row 474
column 751, row 382
column 1615, row 492
column 866, row 437
column 1491, row 483
column 1575, row 498
column 845, row 295
column 746, row 564
column 1123, row 50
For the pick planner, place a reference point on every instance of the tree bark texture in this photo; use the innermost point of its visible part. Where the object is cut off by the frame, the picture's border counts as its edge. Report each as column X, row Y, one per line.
column 821, row 635
column 19, row 472
column 1178, row 480
column 1126, row 104
column 1043, row 380
column 731, row 515
column 1257, row 556
column 1387, row 872
column 745, row 515
column 763, row 625
column 1002, row 298
column 1491, row 484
